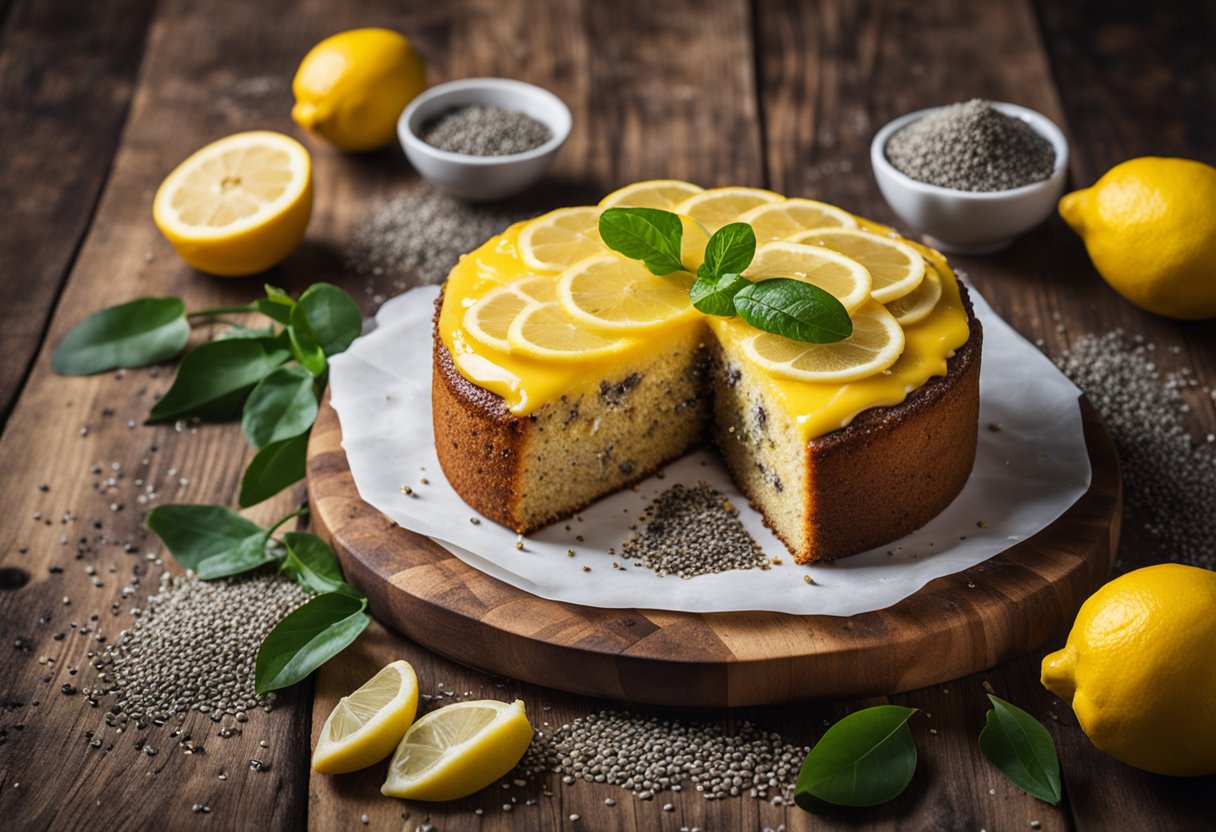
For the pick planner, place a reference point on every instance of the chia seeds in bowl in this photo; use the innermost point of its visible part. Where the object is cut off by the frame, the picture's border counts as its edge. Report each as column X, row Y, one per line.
column 485, row 131
column 972, row 146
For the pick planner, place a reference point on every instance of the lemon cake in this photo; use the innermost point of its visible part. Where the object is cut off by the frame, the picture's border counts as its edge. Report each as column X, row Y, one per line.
column 564, row 371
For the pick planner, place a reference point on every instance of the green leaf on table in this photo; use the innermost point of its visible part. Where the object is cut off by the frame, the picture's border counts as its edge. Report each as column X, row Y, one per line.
column 213, row 380
column 275, row 467
column 794, row 309
column 282, row 405
column 313, row 565
column 277, row 305
column 239, row 332
column 307, row 638
column 716, row 295
column 307, row 351
column 1022, row 749
column 251, row 553
column 134, row 334
column 730, row 249
column 647, row 234
column 865, row 759
column 195, row 533
column 329, row 316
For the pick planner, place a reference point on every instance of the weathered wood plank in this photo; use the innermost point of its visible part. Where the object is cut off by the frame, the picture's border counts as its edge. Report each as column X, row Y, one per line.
column 67, row 72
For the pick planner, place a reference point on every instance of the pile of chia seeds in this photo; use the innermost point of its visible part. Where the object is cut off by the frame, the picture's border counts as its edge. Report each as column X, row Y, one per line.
column 972, row 147
column 1169, row 478
column 485, row 131
column 193, row 648
column 692, row 531
column 649, row 756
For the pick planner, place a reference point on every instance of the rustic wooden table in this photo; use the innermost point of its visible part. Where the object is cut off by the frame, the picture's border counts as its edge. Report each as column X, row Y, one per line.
column 98, row 101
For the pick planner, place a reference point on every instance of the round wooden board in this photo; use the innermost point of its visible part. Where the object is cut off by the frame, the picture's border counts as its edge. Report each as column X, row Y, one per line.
column 954, row 626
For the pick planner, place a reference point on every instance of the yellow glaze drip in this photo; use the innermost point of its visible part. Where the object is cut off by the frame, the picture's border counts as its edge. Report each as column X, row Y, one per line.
column 527, row 384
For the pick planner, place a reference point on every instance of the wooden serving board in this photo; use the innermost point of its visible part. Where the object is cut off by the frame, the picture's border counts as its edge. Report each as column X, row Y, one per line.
column 954, row 626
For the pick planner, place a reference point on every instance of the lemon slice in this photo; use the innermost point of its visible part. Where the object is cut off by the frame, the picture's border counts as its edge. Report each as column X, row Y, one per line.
column 544, row 330
column 459, row 749
column 611, row 293
column 876, row 343
column 895, row 267
column 836, row 274
column 915, row 306
column 489, row 319
column 239, row 205
column 562, row 237
column 365, row 726
column 541, row 288
column 783, row 220
column 665, row 194
column 718, row 206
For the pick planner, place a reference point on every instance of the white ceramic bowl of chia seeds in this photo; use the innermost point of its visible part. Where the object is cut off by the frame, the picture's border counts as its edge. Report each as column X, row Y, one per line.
column 486, row 177
column 971, row 222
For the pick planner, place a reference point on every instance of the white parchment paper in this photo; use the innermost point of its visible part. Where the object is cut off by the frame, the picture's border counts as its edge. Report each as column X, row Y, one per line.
column 1025, row 476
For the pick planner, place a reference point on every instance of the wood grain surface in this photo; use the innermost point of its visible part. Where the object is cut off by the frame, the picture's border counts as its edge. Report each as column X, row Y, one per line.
column 98, row 101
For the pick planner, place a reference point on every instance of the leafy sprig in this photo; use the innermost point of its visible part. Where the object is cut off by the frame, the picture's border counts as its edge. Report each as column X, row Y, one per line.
column 780, row 305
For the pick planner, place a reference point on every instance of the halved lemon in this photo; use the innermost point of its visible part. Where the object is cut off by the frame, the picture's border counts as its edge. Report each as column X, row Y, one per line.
column 612, row 293
column 239, row 205
column 489, row 319
column 840, row 276
column 365, row 726
column 783, row 220
column 562, row 237
column 718, row 206
column 915, row 306
column 665, row 194
column 895, row 267
column 876, row 343
column 544, row 330
column 459, row 749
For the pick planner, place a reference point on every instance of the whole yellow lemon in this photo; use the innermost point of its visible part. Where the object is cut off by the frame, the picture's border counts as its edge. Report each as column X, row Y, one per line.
column 351, row 87
column 1139, row 669
column 1150, row 227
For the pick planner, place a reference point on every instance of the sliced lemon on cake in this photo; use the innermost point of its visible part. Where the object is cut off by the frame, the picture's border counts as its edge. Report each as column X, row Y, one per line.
column 544, row 330
column 239, row 205
column 915, row 306
column 365, row 726
column 895, row 267
column 783, row 220
column 489, row 319
column 459, row 749
column 840, row 276
column 611, row 293
column 664, row 194
column 876, row 343
column 560, row 238
column 718, row 206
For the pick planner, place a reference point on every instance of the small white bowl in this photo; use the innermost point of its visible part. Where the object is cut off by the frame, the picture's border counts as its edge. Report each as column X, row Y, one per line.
column 483, row 177
column 970, row 222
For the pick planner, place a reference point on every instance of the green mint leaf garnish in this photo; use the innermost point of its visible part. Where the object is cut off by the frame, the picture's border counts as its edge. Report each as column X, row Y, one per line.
column 865, row 759
column 275, row 467
column 794, row 309
column 313, row 565
column 283, row 405
column 307, row 638
column 213, row 380
column 716, row 296
column 730, row 249
column 1022, row 749
column 134, row 334
column 645, row 234
column 329, row 316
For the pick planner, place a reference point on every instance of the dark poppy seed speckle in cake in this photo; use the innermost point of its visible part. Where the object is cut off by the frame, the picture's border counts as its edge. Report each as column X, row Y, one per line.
column 972, row 147
column 485, row 131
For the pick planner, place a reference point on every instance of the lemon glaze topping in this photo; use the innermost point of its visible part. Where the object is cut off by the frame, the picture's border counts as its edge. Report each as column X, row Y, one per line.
column 526, row 384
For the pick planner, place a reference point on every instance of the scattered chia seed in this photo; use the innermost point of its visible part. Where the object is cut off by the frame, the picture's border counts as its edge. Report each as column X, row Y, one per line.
column 972, row 146
column 1169, row 477
column 485, row 131
column 692, row 531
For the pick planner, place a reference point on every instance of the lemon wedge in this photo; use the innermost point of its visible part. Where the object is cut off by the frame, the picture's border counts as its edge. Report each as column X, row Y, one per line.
column 489, row 319
column 895, row 267
column 615, row 294
column 718, row 206
column 915, row 306
column 782, row 220
column 562, row 237
column 664, row 194
column 544, row 330
column 239, row 205
column 459, row 749
column 365, row 726
column 876, row 343
column 840, row 276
